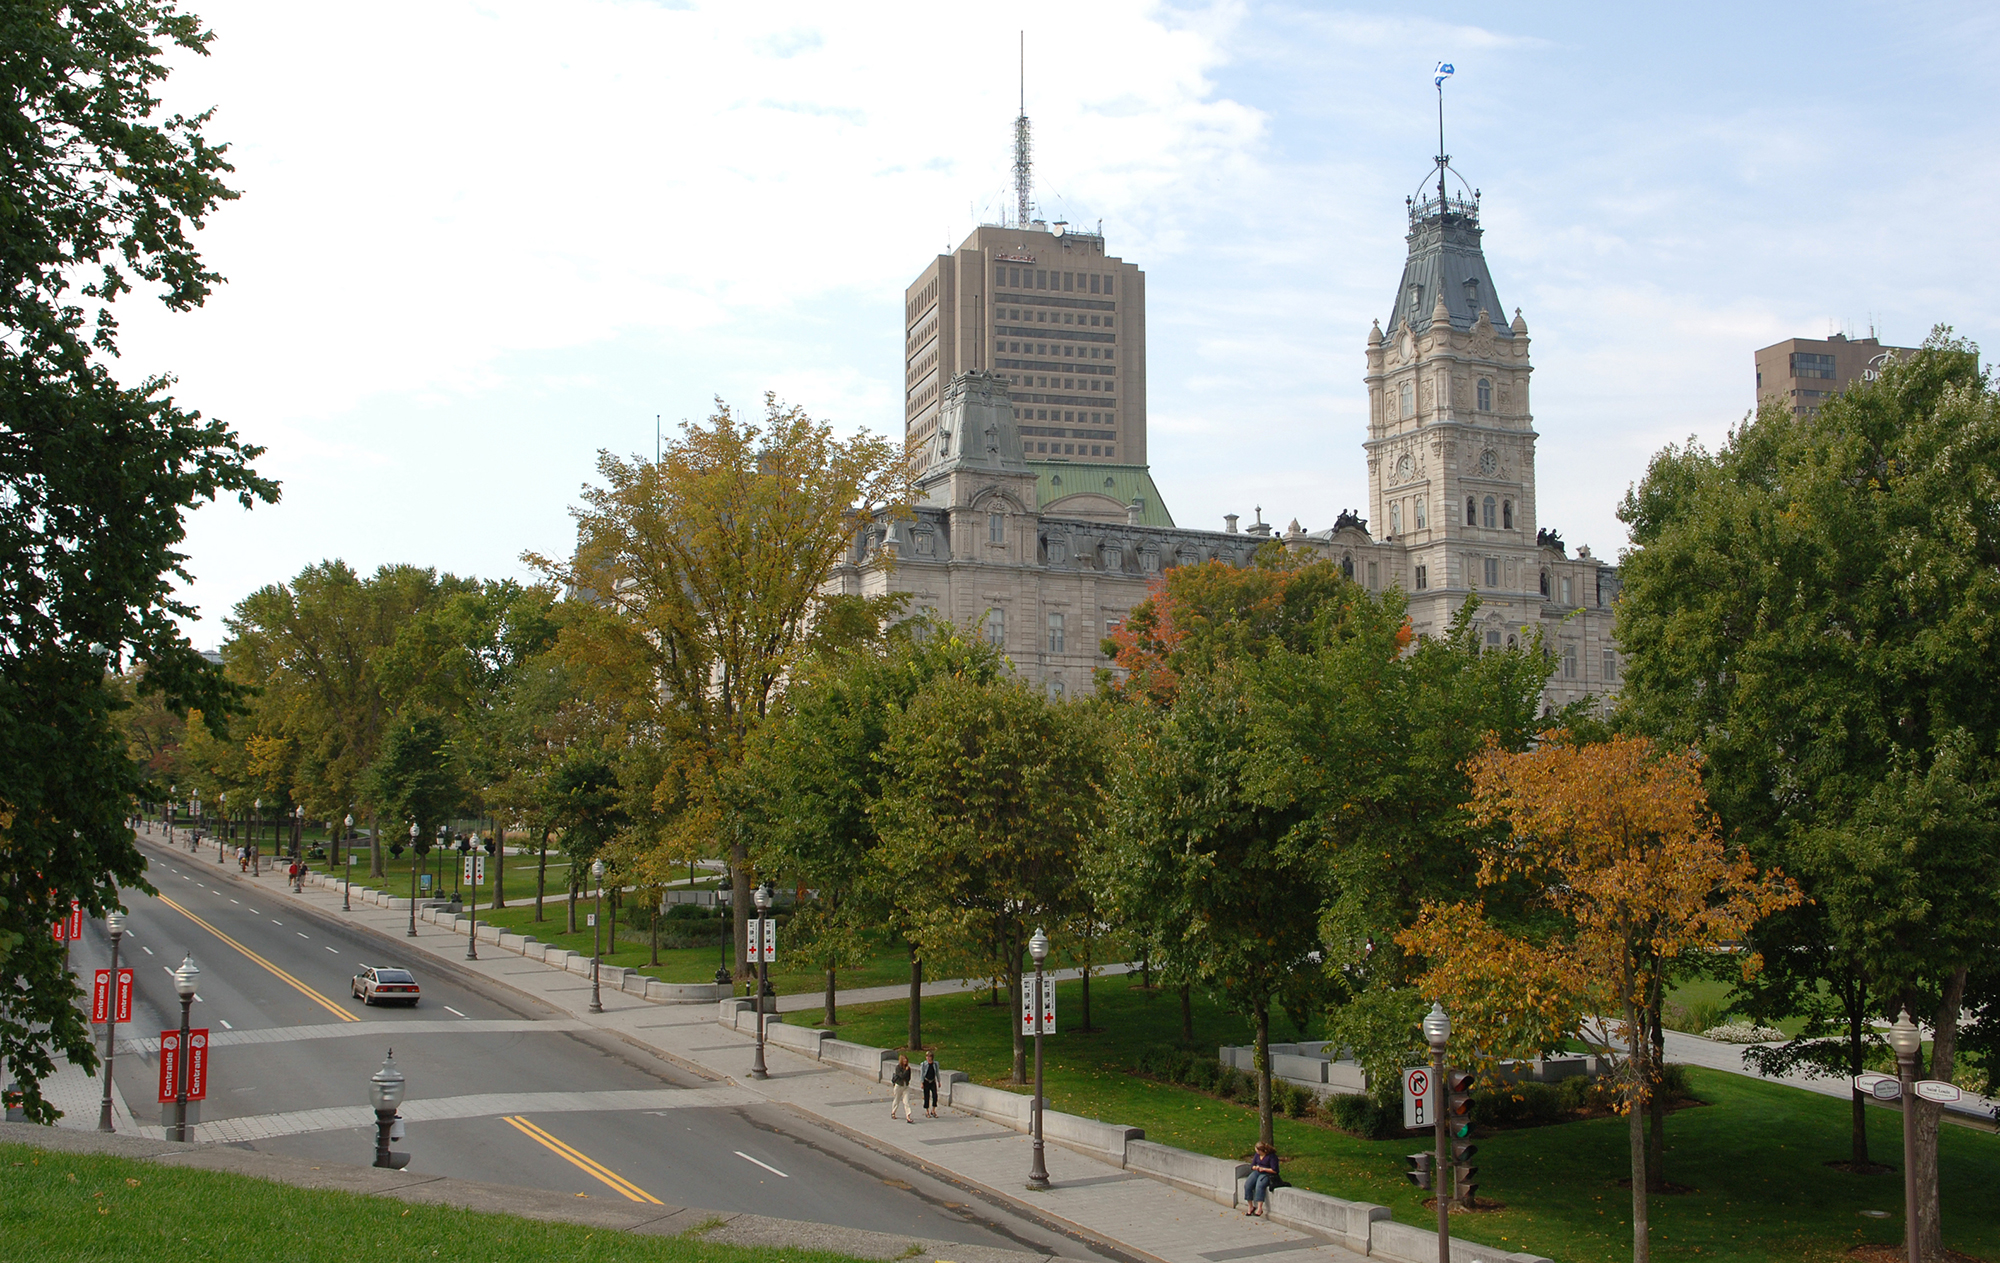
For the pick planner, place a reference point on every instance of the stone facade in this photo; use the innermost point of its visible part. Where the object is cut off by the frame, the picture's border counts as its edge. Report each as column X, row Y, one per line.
column 1451, row 474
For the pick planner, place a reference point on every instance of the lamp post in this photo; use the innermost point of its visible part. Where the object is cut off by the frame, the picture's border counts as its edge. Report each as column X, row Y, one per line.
column 1038, row 1172
column 299, row 842
column 597, row 930
column 1437, row 1033
column 1908, row 1041
column 762, row 898
column 256, row 823
column 169, row 813
column 185, row 979
column 347, row 888
column 472, row 940
column 413, row 881
column 385, row 1093
column 114, row 923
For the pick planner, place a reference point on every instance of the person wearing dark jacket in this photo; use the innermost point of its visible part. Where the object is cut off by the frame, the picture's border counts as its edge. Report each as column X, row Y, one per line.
column 931, row 1077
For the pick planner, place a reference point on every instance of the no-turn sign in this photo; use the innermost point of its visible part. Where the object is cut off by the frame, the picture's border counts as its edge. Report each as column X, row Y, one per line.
column 1417, row 1097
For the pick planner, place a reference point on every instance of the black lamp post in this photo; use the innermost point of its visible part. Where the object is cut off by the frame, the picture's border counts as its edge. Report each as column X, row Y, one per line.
column 1038, row 1173
column 471, row 860
column 385, row 1093
column 114, row 923
column 1908, row 1041
column 185, row 979
column 762, row 897
column 415, row 837
column 299, row 845
column 1437, row 1033
column 256, row 824
column 347, row 888
column 597, row 928
column 168, row 813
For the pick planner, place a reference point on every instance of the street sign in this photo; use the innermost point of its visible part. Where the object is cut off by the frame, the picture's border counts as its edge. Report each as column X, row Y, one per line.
column 197, row 1069
column 475, row 870
column 1029, row 1006
column 1048, row 1006
column 1417, row 1097
column 768, row 949
column 1883, row 1087
column 124, row 995
column 1938, row 1091
column 170, row 1066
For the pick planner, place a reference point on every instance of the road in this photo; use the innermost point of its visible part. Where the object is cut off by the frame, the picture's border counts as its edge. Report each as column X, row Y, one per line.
column 501, row 1088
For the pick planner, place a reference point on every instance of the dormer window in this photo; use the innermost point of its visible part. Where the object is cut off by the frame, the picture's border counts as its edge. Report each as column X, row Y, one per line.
column 996, row 528
column 1472, row 296
column 1416, row 301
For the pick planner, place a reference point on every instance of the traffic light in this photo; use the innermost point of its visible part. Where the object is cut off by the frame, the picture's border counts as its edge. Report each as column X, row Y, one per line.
column 1419, row 1173
column 1458, row 1103
column 488, row 844
column 1464, row 1175
column 465, row 846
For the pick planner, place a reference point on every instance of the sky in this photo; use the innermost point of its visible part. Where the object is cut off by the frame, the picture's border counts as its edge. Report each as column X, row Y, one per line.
column 480, row 242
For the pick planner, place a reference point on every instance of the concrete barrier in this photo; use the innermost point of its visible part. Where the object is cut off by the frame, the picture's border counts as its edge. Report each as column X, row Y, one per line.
column 686, row 992
column 1010, row 1109
column 860, row 1058
column 634, row 983
column 1301, row 1069
column 948, row 1081
column 512, row 943
column 1215, row 1178
column 577, row 963
column 1346, row 1076
column 557, row 957
column 726, row 1011
column 1348, row 1223
column 1106, row 1141
column 800, row 1039
column 1401, row 1243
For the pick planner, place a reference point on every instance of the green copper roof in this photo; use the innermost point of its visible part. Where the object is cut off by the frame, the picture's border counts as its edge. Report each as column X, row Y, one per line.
column 1056, row 479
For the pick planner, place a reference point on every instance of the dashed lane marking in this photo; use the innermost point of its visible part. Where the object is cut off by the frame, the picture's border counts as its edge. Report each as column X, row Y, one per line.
column 767, row 1166
column 302, row 988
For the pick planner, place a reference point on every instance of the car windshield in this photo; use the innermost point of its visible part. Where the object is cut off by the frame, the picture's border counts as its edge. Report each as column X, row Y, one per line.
column 393, row 975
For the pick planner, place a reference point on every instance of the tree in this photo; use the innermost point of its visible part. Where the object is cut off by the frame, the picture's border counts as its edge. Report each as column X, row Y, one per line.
column 583, row 806
column 707, row 567
column 102, row 194
column 1814, row 606
column 1616, row 840
column 993, row 795
column 416, row 778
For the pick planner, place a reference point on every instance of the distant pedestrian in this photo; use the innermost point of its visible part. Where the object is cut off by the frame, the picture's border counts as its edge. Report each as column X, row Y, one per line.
column 1263, row 1178
column 242, row 859
column 899, row 1079
column 931, row 1076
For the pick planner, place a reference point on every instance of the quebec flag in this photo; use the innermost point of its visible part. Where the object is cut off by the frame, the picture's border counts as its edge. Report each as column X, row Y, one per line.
column 1443, row 72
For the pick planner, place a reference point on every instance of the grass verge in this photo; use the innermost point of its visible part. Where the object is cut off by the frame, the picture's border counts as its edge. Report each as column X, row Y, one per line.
column 1755, row 1157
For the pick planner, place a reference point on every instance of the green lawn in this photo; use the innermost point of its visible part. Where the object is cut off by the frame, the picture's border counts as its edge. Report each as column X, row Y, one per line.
column 89, row 1209
column 1755, row 1155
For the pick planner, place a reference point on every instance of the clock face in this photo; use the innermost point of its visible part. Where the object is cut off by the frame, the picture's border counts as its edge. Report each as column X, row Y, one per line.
column 1403, row 469
column 1488, row 462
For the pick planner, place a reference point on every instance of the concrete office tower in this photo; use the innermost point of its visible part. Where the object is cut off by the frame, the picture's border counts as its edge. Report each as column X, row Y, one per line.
column 1063, row 324
column 1805, row 372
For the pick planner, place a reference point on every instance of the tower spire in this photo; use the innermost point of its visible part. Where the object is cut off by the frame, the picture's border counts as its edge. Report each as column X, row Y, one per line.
column 1444, row 71
column 1022, row 171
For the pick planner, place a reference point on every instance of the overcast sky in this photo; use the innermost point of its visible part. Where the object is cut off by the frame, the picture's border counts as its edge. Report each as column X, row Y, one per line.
column 480, row 241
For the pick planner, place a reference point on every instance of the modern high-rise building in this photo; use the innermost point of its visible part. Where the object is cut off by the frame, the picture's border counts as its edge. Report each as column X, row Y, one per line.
column 1806, row 372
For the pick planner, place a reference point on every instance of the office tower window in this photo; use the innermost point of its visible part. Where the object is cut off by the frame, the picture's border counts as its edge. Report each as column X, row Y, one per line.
column 996, row 628
column 1805, row 364
column 1055, row 633
column 996, row 528
column 1423, row 578
column 1485, row 395
column 1507, row 514
column 1107, row 352
column 1422, row 517
column 1491, row 520
column 1107, row 324
column 1492, row 572
column 1107, row 289
column 1093, row 285
column 1041, row 279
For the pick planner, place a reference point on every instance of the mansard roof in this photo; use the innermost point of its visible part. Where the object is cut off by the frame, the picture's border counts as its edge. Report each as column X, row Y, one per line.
column 1056, row 480
column 1445, row 263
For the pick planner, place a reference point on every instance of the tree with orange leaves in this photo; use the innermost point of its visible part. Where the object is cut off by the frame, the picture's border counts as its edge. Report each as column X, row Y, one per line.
column 1617, row 841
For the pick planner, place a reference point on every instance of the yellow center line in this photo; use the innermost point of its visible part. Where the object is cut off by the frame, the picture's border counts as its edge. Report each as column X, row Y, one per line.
column 578, row 1160
column 304, row 990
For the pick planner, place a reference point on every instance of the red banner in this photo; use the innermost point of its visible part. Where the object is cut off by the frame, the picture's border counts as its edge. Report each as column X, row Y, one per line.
column 100, row 997
column 75, row 921
column 198, row 1063
column 170, row 1066
column 124, row 995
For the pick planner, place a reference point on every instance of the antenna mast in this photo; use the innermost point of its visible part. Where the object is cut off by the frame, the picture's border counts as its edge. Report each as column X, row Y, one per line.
column 1021, row 164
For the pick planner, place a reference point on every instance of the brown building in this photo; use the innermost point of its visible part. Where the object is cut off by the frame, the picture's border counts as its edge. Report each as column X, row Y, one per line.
column 1805, row 372
column 1061, row 321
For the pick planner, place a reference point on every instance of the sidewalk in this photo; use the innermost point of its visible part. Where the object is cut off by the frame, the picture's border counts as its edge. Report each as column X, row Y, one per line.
column 1095, row 1198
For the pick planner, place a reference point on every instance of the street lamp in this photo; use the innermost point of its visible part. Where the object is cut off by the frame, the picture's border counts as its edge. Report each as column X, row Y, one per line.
column 413, row 880
column 1038, row 1172
column 1908, row 1041
column 256, row 823
column 471, row 858
column 597, row 929
column 172, row 790
column 762, row 898
column 346, row 839
column 114, row 923
column 185, row 979
column 385, row 1093
column 299, row 839
column 1437, row 1033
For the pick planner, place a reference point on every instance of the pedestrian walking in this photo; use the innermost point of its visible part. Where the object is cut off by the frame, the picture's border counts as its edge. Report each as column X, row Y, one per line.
column 242, row 859
column 1263, row 1178
column 899, row 1080
column 931, row 1076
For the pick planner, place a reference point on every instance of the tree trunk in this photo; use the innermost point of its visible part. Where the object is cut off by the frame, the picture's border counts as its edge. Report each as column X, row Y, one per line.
column 1853, row 998
column 739, row 907
column 916, row 998
column 830, row 992
column 1656, row 1146
column 499, row 866
column 1015, row 974
column 611, row 929
column 574, row 881
column 1265, row 1130
column 659, row 899
column 1187, row 1013
column 374, row 845
column 541, row 874
column 1944, row 1050
column 1145, row 972
column 1086, row 980
column 1635, row 1066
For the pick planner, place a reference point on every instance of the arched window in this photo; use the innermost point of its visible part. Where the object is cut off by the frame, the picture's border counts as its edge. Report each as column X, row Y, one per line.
column 1421, row 522
column 1491, row 521
column 1407, row 395
column 1471, row 511
column 1485, row 395
column 1507, row 514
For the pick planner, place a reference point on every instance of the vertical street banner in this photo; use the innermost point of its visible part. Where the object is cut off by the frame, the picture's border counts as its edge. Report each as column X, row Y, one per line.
column 124, row 999
column 1028, row 1004
column 75, row 921
column 475, row 869
column 197, row 1063
column 1048, row 1006
column 100, row 997
column 1031, row 1004
column 170, row 1066
column 767, row 950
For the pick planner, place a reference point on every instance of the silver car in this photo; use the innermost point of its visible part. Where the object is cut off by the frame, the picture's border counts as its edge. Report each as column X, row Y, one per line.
column 386, row 984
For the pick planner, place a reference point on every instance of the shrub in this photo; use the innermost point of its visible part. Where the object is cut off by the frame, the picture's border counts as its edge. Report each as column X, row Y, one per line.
column 1743, row 1033
column 1298, row 1102
column 1230, row 1083
column 1359, row 1116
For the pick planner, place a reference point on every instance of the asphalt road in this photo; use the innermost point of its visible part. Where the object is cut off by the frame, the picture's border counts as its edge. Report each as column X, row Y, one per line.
column 274, row 991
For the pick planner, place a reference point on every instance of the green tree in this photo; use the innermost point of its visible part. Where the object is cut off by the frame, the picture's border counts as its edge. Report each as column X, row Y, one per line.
column 417, row 778
column 583, row 806
column 1814, row 606
column 101, row 194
